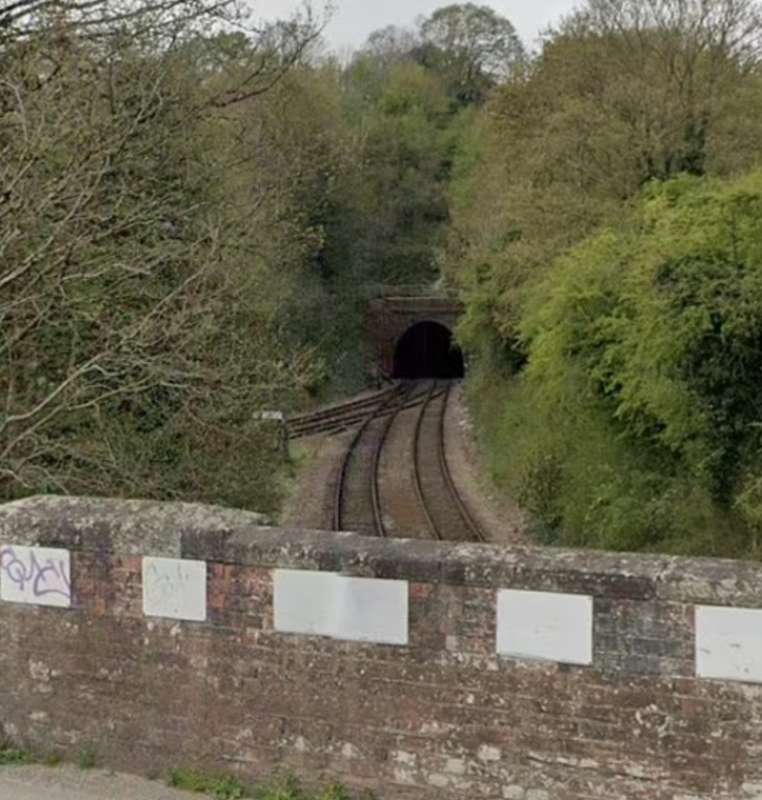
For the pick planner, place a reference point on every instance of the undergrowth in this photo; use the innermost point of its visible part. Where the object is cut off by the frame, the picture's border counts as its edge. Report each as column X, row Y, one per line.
column 10, row 756
column 221, row 786
column 13, row 755
column 216, row 785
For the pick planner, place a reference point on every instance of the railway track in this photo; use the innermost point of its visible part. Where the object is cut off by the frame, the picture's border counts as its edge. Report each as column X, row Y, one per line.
column 358, row 498
column 447, row 515
column 338, row 417
column 345, row 416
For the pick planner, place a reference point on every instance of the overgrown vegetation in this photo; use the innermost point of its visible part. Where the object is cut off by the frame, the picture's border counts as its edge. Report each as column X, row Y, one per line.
column 191, row 217
column 87, row 758
column 216, row 785
column 220, row 787
column 10, row 756
column 613, row 294
column 280, row 787
column 139, row 254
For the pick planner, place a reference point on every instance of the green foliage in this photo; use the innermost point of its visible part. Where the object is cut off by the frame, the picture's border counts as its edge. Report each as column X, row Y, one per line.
column 621, row 94
column 10, row 756
column 400, row 206
column 227, row 787
column 220, row 787
column 147, row 271
column 87, row 758
column 612, row 297
column 288, row 787
column 637, row 423
column 471, row 47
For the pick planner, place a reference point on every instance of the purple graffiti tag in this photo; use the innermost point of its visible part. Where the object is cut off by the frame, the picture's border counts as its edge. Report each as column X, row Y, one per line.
column 13, row 567
column 49, row 577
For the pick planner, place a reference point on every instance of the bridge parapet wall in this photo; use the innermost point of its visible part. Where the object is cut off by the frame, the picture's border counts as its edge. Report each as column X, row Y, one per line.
column 167, row 635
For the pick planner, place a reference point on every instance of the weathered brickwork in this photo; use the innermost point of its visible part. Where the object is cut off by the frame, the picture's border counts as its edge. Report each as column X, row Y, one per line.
column 390, row 317
column 442, row 717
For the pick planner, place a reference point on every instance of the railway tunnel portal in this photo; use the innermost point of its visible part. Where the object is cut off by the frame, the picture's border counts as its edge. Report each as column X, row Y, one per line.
column 411, row 332
column 427, row 350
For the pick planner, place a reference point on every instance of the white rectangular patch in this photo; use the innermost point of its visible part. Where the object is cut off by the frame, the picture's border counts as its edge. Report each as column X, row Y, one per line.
column 546, row 626
column 174, row 588
column 351, row 609
column 729, row 643
column 37, row 575
column 371, row 610
column 304, row 601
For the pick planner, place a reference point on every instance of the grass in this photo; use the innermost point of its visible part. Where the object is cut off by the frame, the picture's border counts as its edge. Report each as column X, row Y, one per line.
column 86, row 758
column 227, row 787
column 12, row 757
column 218, row 786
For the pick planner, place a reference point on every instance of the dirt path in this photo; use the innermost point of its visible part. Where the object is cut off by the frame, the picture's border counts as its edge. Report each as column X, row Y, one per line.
column 310, row 504
column 71, row 783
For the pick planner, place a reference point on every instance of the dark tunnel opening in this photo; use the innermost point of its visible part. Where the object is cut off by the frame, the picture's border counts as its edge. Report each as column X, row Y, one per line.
column 426, row 350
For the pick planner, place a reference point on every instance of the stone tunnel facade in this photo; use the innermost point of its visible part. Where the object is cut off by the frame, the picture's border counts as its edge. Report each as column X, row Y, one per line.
column 391, row 317
column 164, row 635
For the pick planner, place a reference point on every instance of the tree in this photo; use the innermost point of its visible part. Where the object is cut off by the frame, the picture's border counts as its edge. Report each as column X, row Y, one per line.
column 137, row 336
column 614, row 364
column 391, row 45
column 648, row 336
column 681, row 57
column 616, row 99
column 401, row 203
column 472, row 46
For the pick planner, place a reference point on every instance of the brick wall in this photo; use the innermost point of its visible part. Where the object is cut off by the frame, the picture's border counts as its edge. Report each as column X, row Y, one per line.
column 392, row 681
column 389, row 318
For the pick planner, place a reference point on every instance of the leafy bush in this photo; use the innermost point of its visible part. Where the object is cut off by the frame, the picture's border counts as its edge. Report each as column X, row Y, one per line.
column 620, row 93
column 87, row 758
column 227, row 787
column 220, row 787
column 637, row 422
column 12, row 757
column 287, row 787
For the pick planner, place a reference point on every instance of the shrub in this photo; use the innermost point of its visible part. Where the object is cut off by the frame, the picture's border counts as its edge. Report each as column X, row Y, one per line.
column 637, row 422
column 218, row 786
column 12, row 756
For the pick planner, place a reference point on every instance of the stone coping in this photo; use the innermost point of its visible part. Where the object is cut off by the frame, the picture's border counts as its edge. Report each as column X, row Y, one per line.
column 210, row 533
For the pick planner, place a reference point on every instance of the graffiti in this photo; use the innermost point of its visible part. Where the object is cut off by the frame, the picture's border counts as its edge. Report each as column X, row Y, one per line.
column 174, row 588
column 35, row 575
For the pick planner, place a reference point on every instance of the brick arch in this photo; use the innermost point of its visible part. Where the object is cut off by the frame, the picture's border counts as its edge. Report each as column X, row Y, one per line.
column 390, row 317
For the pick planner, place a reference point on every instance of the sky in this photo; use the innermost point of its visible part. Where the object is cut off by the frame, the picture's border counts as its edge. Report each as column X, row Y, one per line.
column 353, row 20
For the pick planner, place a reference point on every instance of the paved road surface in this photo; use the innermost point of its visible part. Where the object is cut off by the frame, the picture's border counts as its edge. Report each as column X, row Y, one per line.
column 71, row 783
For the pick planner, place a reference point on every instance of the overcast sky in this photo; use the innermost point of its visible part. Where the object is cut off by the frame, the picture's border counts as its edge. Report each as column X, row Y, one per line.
column 353, row 20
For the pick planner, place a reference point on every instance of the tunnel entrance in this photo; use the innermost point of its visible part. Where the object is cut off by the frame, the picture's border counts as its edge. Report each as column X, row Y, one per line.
column 426, row 350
